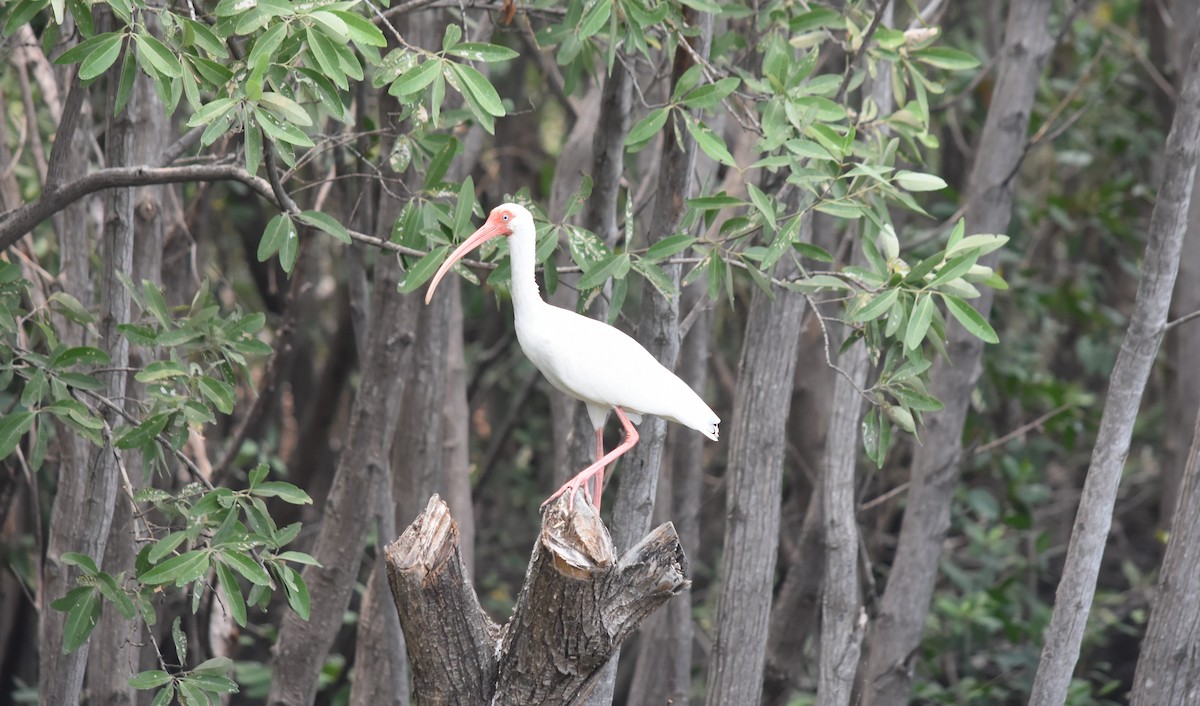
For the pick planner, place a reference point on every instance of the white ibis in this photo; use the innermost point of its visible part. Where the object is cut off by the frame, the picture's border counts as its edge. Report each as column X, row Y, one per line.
column 587, row 359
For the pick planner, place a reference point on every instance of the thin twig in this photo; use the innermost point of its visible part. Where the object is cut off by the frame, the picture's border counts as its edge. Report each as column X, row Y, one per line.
column 1181, row 320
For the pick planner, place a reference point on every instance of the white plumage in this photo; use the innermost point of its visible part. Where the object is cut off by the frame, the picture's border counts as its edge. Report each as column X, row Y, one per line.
column 587, row 359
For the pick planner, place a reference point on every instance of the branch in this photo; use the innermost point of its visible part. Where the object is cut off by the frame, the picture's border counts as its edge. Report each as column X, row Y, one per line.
column 20, row 221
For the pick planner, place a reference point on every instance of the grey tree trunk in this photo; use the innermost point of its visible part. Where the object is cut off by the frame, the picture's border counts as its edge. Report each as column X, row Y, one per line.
column 1182, row 344
column 1168, row 224
column 114, row 656
column 897, row 630
column 663, row 673
column 843, row 620
column 1168, row 669
column 83, row 507
column 754, row 484
column 302, row 646
column 658, row 331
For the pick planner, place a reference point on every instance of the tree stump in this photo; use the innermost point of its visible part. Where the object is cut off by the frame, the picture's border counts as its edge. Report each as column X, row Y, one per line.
column 578, row 604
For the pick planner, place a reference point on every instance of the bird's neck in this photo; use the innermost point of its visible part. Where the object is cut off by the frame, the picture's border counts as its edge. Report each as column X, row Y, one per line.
column 527, row 299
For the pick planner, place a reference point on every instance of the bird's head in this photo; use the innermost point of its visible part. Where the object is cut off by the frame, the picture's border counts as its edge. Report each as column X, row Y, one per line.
column 504, row 219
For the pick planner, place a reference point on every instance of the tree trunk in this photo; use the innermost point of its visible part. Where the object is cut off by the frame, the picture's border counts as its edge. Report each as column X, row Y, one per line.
column 658, row 329
column 1168, row 669
column 754, row 485
column 663, row 673
column 83, row 507
column 302, row 646
column 896, row 632
column 1168, row 224
column 114, row 656
column 579, row 602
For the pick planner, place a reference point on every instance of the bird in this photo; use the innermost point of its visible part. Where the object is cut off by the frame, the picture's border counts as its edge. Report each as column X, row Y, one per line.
column 589, row 360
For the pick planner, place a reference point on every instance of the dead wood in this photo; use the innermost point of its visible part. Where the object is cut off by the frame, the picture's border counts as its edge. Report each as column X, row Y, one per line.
column 579, row 603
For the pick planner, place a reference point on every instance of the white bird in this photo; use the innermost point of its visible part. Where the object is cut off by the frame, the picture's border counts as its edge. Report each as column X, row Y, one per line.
column 587, row 359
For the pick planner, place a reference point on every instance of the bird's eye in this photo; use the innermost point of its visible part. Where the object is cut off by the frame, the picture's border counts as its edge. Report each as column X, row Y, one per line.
column 505, row 216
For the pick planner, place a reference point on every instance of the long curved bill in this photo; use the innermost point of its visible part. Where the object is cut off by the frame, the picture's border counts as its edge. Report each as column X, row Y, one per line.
column 485, row 233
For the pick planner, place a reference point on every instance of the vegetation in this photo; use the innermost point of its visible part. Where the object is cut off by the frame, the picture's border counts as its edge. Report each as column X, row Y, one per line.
column 893, row 244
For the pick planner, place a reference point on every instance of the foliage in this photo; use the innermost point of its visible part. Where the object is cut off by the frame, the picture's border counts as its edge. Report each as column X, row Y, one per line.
column 282, row 77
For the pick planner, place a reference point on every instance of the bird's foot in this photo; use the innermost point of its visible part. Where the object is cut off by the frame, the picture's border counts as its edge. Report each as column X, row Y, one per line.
column 573, row 486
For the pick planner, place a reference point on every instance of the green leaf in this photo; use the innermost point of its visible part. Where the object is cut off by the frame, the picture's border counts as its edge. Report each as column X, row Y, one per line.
column 464, row 206
column 763, row 203
column 478, row 89
column 875, row 307
column 918, row 323
column 99, row 61
column 647, row 127
column 284, row 491
column 657, row 277
column 151, row 679
column 671, row 245
column 946, row 58
column 710, row 142
column 165, row 546
column 125, row 83
column 161, row 370
column 286, row 108
column 983, row 243
column 81, row 621
column 179, row 570
column 12, row 427
column 279, row 231
column 478, row 51
column 211, row 111
column 297, row 592
column 231, row 593
column 281, row 131
column 812, row 252
column 916, row 181
column 594, row 18
column 219, row 392
column 323, row 50
column 79, row 355
column 155, row 53
column 35, row 390
column 611, row 266
column 116, row 595
column 711, row 94
column 216, row 666
column 83, row 561
column 166, row 697
column 954, row 269
column 198, row 34
column 416, row 78
column 76, row 53
column 360, row 30
column 180, row 639
column 24, row 12
column 70, row 307
column 299, row 558
column 420, row 273
column 326, row 224
column 246, row 566
column 970, row 319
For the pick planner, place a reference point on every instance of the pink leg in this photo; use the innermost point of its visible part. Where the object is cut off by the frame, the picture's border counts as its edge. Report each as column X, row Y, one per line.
column 573, row 485
column 598, row 480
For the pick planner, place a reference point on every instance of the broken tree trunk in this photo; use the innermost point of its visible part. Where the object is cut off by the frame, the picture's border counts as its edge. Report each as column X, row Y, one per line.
column 579, row 603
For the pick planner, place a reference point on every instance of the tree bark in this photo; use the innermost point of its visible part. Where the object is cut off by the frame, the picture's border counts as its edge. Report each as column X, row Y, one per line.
column 754, row 485
column 143, row 130
column 842, row 618
column 579, row 602
column 1168, row 224
column 302, row 646
column 658, row 327
column 1182, row 394
column 896, row 632
column 663, row 673
column 83, row 507
column 1168, row 669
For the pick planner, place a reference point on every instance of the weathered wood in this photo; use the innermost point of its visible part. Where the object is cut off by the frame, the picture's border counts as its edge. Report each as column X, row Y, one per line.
column 579, row 603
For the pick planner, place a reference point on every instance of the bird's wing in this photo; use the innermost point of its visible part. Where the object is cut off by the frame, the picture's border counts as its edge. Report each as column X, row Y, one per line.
column 602, row 365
